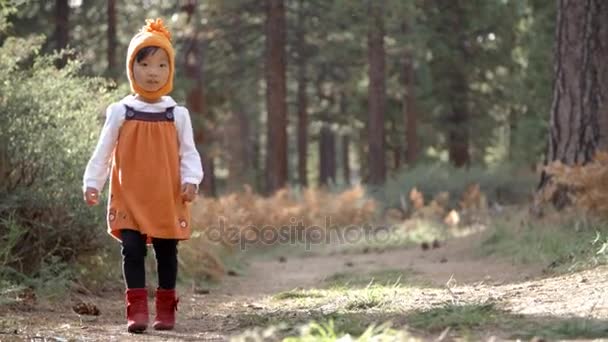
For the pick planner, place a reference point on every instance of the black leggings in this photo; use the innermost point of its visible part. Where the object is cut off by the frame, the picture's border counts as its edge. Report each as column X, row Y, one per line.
column 134, row 251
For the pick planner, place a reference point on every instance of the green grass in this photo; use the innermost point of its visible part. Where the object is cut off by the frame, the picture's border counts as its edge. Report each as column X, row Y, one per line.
column 298, row 294
column 343, row 327
column 574, row 328
column 371, row 297
column 573, row 244
column 329, row 332
column 387, row 277
column 461, row 317
column 339, row 298
column 470, row 318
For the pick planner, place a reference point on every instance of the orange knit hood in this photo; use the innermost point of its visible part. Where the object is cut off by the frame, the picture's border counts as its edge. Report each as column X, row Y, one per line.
column 153, row 34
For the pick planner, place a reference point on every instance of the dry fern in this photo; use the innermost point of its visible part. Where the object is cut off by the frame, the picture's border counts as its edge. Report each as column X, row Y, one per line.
column 587, row 184
column 222, row 224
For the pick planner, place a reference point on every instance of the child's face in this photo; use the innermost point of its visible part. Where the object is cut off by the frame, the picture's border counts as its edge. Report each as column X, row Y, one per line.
column 152, row 72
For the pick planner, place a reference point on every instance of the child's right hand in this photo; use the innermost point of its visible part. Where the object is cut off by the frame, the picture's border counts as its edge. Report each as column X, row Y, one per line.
column 91, row 196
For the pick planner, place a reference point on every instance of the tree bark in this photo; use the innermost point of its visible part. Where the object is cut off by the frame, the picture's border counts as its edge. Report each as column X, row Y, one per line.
column 377, row 95
column 327, row 153
column 346, row 159
column 579, row 112
column 410, row 116
column 237, row 141
column 62, row 28
column 238, row 138
column 196, row 102
column 276, row 91
column 302, row 98
column 458, row 119
column 111, row 10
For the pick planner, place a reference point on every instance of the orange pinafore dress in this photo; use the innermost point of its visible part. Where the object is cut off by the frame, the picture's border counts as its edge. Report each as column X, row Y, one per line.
column 145, row 182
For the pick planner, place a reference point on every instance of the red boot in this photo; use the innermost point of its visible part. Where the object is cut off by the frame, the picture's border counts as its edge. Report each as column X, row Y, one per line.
column 166, row 305
column 137, row 310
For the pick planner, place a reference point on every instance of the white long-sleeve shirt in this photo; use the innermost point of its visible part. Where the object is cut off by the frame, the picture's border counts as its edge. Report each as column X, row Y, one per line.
column 98, row 168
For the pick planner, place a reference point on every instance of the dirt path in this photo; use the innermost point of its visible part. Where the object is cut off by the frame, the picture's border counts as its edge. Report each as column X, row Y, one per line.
column 227, row 309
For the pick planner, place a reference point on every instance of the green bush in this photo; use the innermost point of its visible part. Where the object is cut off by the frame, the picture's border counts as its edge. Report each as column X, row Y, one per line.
column 48, row 128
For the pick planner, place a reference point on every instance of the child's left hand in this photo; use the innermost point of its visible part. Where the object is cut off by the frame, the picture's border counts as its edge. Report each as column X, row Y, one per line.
column 188, row 192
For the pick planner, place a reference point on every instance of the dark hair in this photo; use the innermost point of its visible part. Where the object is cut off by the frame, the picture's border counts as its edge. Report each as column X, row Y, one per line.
column 145, row 52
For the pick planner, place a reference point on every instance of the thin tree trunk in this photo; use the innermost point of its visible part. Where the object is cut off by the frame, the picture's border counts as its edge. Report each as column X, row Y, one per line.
column 276, row 92
column 302, row 99
column 410, row 115
column 327, row 153
column 397, row 152
column 237, row 137
column 394, row 145
column 579, row 112
column 62, row 28
column 377, row 95
column 458, row 118
column 111, row 38
column 346, row 159
column 196, row 102
column 257, row 161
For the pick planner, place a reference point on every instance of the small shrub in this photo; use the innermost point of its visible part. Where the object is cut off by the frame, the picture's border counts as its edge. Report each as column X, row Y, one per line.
column 48, row 129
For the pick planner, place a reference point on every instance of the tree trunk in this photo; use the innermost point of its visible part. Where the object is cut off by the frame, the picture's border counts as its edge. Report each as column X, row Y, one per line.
column 458, row 115
column 409, row 111
column 377, row 95
column 302, row 99
column 579, row 112
column 397, row 152
column 196, row 103
column 236, row 140
column 327, row 155
column 346, row 159
column 458, row 119
column 62, row 28
column 276, row 156
column 111, row 71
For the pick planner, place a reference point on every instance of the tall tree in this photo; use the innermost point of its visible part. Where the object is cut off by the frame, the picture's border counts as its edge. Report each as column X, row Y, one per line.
column 346, row 159
column 579, row 111
column 377, row 94
column 195, row 99
column 276, row 92
column 302, row 96
column 238, row 129
column 410, row 117
column 62, row 28
column 458, row 111
column 327, row 155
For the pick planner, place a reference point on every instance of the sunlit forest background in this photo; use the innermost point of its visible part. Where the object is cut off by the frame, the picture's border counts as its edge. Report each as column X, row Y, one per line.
column 302, row 95
column 432, row 117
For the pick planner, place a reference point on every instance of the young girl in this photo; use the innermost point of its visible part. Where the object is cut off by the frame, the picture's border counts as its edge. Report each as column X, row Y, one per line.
column 155, row 171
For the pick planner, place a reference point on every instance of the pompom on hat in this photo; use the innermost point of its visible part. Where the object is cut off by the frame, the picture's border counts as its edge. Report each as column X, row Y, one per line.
column 154, row 33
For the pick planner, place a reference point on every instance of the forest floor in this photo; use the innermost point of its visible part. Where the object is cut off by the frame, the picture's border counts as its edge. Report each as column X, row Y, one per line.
column 445, row 293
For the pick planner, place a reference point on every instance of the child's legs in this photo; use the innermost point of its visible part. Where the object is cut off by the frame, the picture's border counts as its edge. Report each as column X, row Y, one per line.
column 133, row 255
column 166, row 260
